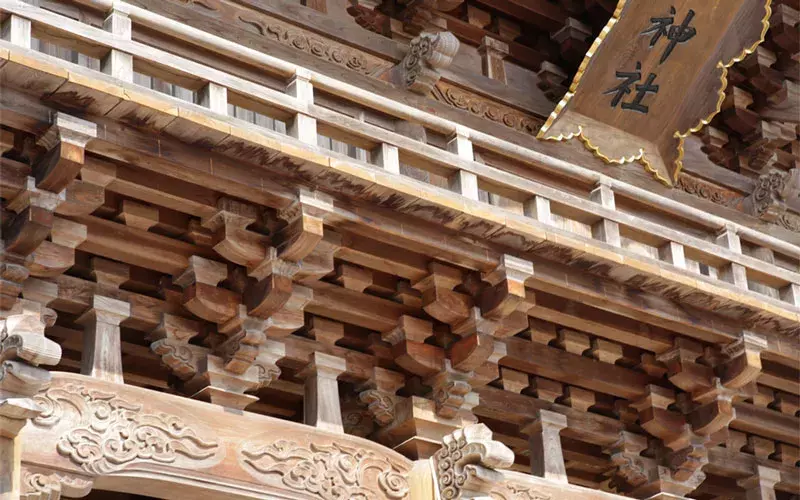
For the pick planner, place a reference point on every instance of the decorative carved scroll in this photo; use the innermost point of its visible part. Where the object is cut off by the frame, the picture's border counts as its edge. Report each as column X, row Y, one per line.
column 113, row 433
column 50, row 486
column 708, row 191
column 485, row 108
column 466, row 463
column 772, row 193
column 328, row 471
column 427, row 54
column 316, row 46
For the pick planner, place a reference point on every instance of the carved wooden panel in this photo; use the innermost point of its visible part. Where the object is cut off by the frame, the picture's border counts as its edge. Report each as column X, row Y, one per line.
column 124, row 437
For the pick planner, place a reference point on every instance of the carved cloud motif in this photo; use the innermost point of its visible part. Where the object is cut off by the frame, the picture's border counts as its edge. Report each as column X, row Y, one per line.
column 113, row 433
column 327, row 471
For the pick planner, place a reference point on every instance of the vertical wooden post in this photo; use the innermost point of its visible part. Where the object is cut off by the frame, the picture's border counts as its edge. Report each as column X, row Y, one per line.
column 387, row 157
column 732, row 272
column 321, row 404
column 493, row 52
column 214, row 97
column 547, row 458
column 605, row 230
column 462, row 182
column 303, row 127
column 791, row 294
column 102, row 348
column 17, row 30
column 116, row 63
column 673, row 253
column 538, row 207
column 761, row 486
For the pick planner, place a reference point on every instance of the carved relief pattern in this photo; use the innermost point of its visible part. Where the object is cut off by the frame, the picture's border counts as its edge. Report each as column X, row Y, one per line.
column 43, row 486
column 113, row 433
column 427, row 55
column 708, row 191
column 768, row 192
column 483, row 108
column 380, row 405
column 328, row 471
column 318, row 47
column 517, row 492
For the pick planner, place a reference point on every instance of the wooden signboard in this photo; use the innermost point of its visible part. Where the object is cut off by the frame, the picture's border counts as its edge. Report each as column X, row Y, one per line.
column 656, row 74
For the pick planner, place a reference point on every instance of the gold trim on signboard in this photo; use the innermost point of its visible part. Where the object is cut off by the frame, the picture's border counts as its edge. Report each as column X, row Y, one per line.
column 641, row 156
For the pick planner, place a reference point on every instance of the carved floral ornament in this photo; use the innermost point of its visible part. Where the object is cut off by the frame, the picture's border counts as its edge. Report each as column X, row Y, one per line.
column 330, row 471
column 113, row 434
column 655, row 75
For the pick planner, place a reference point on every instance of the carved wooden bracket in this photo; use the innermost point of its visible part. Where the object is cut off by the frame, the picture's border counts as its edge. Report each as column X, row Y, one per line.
column 427, row 55
column 449, row 389
column 23, row 349
column 170, row 340
column 742, row 361
column 42, row 484
column 466, row 465
column 201, row 296
column 304, row 225
column 51, row 258
column 773, row 191
column 379, row 394
column 64, row 141
column 506, row 290
column 32, row 221
column 410, row 350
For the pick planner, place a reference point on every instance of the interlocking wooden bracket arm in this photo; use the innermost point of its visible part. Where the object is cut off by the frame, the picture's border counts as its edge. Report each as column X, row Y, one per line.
column 428, row 54
column 466, row 466
column 678, row 469
column 65, row 142
column 32, row 221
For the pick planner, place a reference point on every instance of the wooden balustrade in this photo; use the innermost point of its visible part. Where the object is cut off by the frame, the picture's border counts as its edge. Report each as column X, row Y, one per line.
column 467, row 174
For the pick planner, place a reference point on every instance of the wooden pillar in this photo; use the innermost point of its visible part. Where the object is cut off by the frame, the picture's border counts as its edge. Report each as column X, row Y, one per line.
column 303, row 127
column 102, row 349
column 732, row 272
column 761, row 485
column 547, row 458
column 214, row 97
column 116, row 63
column 493, row 52
column 605, row 230
column 538, row 208
column 321, row 404
column 673, row 253
column 387, row 157
column 17, row 30
column 463, row 182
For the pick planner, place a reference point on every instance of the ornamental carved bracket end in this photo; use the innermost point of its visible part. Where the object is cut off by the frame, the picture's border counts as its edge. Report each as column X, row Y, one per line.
column 428, row 54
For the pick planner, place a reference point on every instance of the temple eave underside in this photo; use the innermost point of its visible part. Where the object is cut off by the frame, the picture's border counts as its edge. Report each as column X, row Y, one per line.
column 253, row 251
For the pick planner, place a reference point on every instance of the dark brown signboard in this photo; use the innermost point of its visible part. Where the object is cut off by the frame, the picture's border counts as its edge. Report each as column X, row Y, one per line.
column 656, row 73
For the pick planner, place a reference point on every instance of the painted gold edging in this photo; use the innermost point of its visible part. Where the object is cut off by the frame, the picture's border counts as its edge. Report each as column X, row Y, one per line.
column 724, row 85
column 641, row 156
